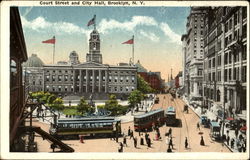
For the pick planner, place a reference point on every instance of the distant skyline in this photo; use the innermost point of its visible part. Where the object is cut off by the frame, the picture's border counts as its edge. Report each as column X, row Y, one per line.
column 157, row 32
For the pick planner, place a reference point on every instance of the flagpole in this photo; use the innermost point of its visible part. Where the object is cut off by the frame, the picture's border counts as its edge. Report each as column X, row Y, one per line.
column 133, row 50
column 54, row 50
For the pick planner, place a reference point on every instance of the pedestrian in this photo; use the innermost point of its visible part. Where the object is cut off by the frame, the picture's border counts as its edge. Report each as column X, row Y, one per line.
column 202, row 143
column 186, row 143
column 232, row 143
column 198, row 126
column 146, row 136
column 228, row 139
column 125, row 141
column 149, row 142
column 171, row 143
column 142, row 141
column 169, row 150
column 81, row 139
column 131, row 134
column 120, row 149
column 236, row 132
column 135, row 142
column 129, row 131
column 170, row 132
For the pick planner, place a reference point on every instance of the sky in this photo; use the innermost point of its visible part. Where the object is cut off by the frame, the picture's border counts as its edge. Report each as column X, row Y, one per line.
column 157, row 34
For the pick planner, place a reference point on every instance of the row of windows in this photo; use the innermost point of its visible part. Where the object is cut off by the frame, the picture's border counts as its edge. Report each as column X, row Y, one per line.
column 71, row 71
column 71, row 88
column 65, row 78
column 229, row 74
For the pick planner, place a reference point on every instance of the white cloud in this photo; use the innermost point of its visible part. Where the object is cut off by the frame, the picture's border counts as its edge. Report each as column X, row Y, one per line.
column 106, row 25
column 174, row 37
column 149, row 35
column 40, row 24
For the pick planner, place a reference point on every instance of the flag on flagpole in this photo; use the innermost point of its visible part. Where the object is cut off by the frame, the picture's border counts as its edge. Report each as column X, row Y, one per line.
column 131, row 41
column 92, row 21
column 51, row 41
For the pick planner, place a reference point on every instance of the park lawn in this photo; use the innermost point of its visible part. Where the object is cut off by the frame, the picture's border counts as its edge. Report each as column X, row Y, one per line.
column 70, row 111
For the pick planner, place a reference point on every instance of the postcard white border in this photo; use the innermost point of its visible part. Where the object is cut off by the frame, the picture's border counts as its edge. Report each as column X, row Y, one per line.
column 4, row 99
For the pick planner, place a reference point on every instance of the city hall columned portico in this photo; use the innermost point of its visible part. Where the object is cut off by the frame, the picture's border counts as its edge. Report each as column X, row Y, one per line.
column 89, row 77
column 82, row 79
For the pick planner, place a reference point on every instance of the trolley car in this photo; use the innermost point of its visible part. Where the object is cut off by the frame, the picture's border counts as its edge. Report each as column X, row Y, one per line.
column 149, row 119
column 170, row 115
column 72, row 128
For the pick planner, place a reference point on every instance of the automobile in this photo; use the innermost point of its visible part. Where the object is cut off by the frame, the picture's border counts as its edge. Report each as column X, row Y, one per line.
column 204, row 121
column 231, row 124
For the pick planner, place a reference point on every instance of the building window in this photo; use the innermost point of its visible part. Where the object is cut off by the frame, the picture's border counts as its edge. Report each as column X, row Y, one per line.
column 121, row 89
column 72, row 88
column 225, row 75
column 230, row 57
column 66, row 88
column 40, row 82
column 126, row 88
column 72, row 78
column 47, row 88
column 219, row 76
column 47, row 78
column 115, row 89
column 110, row 78
column 132, row 88
column 59, row 78
column 116, row 78
column 230, row 24
column 53, row 78
column 226, row 27
column 34, row 82
column 234, row 74
column 229, row 74
column 127, row 79
column 59, row 88
column 199, row 72
column 244, row 73
column 219, row 60
column 244, row 52
column 225, row 58
column 213, row 62
column 53, row 88
column 121, row 79
column 133, row 79
column 213, row 76
column 235, row 18
column 66, row 78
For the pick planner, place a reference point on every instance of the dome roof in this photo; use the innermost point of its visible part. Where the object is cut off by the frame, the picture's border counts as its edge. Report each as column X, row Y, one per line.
column 33, row 61
column 73, row 54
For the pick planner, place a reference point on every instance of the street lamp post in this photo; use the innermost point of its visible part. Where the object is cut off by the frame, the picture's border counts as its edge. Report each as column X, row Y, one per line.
column 223, row 120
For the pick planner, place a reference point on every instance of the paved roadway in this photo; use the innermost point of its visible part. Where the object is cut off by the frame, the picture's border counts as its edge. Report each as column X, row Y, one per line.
column 188, row 130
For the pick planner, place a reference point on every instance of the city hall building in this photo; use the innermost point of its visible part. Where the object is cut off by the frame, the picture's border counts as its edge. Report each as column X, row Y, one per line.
column 82, row 79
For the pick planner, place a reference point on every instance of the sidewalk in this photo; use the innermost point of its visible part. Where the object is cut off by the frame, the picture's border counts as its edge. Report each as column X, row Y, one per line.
column 212, row 116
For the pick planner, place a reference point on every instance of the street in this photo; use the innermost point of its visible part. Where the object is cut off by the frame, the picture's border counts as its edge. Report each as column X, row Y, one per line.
column 188, row 129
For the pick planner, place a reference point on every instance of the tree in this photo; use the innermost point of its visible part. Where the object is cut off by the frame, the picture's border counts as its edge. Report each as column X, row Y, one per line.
column 57, row 104
column 135, row 98
column 143, row 86
column 83, row 107
column 112, row 105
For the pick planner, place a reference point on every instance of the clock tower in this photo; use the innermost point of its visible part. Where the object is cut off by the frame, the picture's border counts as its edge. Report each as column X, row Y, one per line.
column 94, row 54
